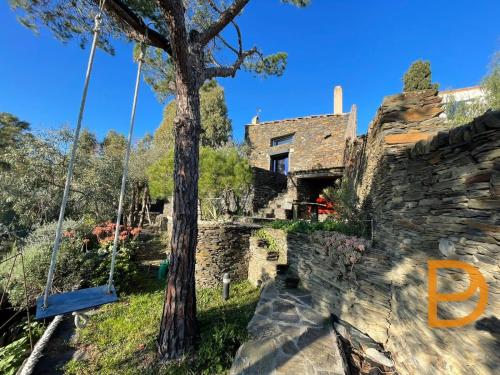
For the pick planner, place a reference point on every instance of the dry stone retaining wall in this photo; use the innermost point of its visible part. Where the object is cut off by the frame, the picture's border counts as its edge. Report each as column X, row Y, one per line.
column 222, row 247
column 434, row 193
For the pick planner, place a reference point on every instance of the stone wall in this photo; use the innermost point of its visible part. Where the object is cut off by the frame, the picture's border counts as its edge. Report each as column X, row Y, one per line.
column 222, row 247
column 318, row 142
column 434, row 193
column 268, row 248
column 347, row 281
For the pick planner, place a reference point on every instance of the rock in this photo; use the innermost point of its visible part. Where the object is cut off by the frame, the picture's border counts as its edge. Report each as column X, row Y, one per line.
column 378, row 357
column 446, row 247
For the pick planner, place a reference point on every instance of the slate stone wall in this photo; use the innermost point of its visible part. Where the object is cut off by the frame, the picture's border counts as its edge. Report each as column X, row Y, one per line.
column 222, row 247
column 264, row 257
column 338, row 273
column 318, row 142
column 434, row 193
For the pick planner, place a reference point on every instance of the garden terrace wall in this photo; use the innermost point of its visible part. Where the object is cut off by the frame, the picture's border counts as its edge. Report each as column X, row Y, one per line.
column 434, row 193
column 349, row 291
column 222, row 247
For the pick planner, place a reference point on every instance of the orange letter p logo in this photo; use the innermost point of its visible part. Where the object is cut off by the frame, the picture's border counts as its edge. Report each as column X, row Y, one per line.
column 476, row 282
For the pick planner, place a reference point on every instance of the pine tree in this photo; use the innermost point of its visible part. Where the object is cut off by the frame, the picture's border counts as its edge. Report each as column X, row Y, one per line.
column 186, row 42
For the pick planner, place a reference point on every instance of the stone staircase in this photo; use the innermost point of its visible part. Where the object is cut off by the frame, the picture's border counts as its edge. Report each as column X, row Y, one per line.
column 277, row 208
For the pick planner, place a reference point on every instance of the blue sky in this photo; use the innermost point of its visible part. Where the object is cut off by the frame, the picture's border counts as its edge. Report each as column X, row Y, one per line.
column 363, row 45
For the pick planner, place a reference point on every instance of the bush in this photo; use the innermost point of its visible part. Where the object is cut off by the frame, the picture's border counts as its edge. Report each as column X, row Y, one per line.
column 37, row 252
column 302, row 226
column 99, row 261
column 13, row 354
column 81, row 262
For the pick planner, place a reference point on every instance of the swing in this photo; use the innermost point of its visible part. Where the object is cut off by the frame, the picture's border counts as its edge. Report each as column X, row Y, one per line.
column 75, row 301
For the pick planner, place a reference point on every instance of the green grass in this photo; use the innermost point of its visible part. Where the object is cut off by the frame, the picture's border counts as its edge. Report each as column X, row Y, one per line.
column 302, row 226
column 120, row 339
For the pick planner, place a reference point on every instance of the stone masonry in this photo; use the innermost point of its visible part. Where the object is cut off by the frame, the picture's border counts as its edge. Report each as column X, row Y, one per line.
column 318, row 141
column 266, row 186
column 434, row 194
column 264, row 257
column 222, row 247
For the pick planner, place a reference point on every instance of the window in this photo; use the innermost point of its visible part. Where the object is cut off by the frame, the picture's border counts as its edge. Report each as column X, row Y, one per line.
column 282, row 140
column 279, row 163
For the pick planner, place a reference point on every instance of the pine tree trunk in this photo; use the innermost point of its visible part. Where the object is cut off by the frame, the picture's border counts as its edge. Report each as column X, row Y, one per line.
column 179, row 328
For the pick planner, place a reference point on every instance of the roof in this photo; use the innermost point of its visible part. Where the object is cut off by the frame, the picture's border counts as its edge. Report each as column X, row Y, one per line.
column 300, row 118
column 451, row 91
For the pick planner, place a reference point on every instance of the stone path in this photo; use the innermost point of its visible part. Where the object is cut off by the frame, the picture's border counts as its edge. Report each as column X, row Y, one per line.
column 288, row 337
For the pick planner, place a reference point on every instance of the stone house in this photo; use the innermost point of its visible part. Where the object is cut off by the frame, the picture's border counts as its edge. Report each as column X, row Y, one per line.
column 465, row 95
column 295, row 159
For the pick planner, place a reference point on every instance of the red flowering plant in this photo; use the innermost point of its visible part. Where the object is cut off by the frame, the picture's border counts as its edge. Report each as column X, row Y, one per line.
column 105, row 233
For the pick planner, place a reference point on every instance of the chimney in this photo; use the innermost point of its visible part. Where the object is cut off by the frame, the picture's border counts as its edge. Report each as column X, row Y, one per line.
column 337, row 100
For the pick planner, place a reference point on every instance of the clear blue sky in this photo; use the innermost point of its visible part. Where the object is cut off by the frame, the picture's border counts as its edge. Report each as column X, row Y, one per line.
column 365, row 46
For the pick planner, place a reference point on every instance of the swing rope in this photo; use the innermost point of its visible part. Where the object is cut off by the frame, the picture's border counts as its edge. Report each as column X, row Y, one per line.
column 57, row 241
column 125, row 169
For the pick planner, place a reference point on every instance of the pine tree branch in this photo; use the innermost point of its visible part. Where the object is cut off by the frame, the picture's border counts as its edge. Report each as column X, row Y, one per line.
column 174, row 13
column 225, row 18
column 229, row 71
column 136, row 27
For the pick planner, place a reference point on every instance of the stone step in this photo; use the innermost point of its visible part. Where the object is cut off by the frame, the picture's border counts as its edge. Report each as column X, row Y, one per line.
column 287, row 336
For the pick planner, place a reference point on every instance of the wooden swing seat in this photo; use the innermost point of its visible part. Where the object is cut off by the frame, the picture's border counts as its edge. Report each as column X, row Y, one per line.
column 65, row 303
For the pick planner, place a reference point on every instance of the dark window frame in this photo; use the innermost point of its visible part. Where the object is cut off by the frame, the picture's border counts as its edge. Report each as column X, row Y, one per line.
column 288, row 138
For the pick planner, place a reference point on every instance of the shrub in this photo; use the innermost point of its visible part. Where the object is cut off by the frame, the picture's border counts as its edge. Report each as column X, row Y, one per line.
column 37, row 252
column 105, row 233
column 99, row 261
column 13, row 354
column 302, row 226
column 81, row 261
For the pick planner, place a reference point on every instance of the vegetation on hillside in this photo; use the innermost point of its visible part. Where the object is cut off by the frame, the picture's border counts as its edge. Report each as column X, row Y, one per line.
column 32, row 184
column 224, row 182
column 304, row 226
column 462, row 112
column 83, row 260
